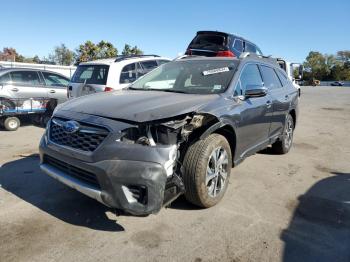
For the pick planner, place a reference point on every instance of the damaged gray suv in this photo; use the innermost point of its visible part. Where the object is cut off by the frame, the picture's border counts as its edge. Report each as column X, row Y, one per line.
column 177, row 130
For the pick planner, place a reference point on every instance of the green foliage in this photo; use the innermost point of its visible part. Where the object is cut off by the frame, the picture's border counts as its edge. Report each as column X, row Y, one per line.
column 62, row 55
column 128, row 50
column 106, row 50
column 90, row 51
column 10, row 54
column 327, row 67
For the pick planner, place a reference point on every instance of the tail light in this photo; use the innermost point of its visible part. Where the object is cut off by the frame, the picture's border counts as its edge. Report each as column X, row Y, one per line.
column 108, row 89
column 225, row 53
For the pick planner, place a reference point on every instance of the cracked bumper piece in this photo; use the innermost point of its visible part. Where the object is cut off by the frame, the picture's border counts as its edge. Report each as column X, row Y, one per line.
column 136, row 187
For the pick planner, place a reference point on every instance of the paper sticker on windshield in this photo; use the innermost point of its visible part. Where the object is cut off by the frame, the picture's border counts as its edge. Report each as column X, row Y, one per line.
column 215, row 71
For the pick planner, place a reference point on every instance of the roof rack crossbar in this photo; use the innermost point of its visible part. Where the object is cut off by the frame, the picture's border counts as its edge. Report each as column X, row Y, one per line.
column 123, row 57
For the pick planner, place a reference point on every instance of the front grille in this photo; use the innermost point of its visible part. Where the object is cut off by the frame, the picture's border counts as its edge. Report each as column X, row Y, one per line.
column 87, row 138
column 73, row 171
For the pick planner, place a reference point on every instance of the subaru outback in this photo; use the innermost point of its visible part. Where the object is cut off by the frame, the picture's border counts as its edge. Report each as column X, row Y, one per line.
column 177, row 130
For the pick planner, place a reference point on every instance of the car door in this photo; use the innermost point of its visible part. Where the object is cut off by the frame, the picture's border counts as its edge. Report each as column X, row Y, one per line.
column 255, row 113
column 26, row 84
column 56, row 86
column 279, row 97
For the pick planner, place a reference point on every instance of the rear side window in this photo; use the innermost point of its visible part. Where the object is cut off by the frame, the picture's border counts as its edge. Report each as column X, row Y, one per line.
column 250, row 48
column 25, row 78
column 209, row 39
column 238, row 45
column 282, row 77
column 149, row 65
column 271, row 81
column 129, row 74
column 55, row 80
column 5, row 78
column 91, row 74
column 250, row 76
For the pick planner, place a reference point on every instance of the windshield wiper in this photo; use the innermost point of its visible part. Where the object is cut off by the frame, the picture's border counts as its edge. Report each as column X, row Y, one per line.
column 156, row 89
column 173, row 91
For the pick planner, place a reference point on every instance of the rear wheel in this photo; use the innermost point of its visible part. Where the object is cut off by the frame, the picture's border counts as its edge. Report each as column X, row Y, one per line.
column 12, row 123
column 207, row 167
column 283, row 146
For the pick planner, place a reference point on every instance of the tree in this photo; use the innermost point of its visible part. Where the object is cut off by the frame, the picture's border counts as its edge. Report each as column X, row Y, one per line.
column 62, row 55
column 315, row 63
column 36, row 59
column 86, row 52
column 10, row 54
column 344, row 56
column 90, row 51
column 106, row 50
column 128, row 50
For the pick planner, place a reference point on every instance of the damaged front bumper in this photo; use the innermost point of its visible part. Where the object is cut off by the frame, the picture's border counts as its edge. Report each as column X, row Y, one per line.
column 132, row 178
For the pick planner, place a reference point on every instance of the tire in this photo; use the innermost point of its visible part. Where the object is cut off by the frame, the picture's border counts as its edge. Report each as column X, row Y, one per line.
column 284, row 145
column 44, row 120
column 202, row 189
column 12, row 123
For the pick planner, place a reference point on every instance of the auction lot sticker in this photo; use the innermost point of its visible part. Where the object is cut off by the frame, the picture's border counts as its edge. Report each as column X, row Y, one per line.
column 216, row 71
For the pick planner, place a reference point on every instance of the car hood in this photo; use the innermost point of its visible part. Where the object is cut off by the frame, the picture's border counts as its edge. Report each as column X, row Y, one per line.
column 137, row 106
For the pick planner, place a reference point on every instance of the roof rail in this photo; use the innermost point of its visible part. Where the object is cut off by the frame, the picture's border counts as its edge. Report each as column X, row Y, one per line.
column 254, row 55
column 124, row 57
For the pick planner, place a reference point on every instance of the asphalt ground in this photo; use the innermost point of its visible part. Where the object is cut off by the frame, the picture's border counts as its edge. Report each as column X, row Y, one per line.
column 292, row 207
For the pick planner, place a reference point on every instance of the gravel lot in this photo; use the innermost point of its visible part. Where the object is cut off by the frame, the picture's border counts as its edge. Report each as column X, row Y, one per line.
column 292, row 207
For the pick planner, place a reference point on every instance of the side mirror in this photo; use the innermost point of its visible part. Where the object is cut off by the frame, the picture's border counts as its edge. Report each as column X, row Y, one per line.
column 255, row 91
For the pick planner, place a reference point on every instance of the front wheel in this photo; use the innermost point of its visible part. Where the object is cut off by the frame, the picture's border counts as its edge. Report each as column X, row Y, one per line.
column 283, row 145
column 207, row 167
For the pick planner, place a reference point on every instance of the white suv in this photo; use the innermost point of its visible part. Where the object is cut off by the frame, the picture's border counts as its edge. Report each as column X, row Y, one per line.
column 111, row 74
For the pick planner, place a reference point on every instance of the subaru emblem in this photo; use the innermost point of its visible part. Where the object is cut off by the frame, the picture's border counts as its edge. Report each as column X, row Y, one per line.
column 71, row 127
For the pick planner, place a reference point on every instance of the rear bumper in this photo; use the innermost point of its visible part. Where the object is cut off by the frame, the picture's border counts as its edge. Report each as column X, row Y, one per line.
column 136, row 187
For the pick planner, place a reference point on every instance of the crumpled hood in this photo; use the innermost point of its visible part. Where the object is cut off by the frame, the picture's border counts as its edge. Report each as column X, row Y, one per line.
column 137, row 106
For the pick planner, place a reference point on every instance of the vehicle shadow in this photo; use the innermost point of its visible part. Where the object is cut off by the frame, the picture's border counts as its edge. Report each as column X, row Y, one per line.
column 182, row 204
column 320, row 227
column 24, row 179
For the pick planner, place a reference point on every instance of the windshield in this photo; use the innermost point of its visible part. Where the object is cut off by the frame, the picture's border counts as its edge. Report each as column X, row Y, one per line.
column 91, row 74
column 190, row 76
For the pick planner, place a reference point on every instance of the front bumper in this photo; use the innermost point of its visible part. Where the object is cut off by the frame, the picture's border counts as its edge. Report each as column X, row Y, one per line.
column 132, row 185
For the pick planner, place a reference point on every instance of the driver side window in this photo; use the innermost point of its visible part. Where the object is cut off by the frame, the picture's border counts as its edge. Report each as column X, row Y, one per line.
column 250, row 76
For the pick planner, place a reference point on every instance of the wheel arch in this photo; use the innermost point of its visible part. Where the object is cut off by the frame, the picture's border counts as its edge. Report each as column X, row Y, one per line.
column 292, row 112
column 225, row 129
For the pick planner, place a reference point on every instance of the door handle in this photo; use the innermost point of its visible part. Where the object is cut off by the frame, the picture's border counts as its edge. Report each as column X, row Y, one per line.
column 52, row 91
column 15, row 89
column 268, row 103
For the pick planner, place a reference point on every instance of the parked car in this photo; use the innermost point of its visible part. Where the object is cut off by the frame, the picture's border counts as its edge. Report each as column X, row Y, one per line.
column 30, row 83
column 111, row 74
column 337, row 83
column 26, row 91
column 178, row 129
column 214, row 43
